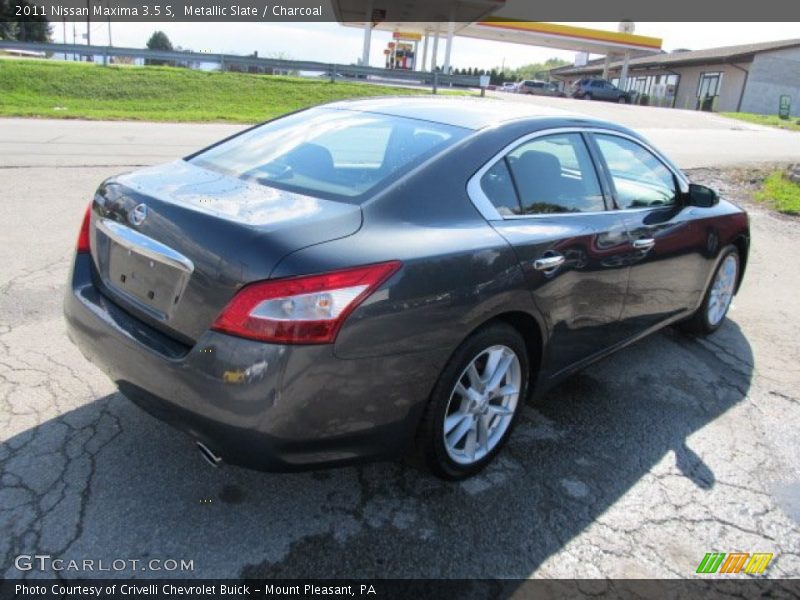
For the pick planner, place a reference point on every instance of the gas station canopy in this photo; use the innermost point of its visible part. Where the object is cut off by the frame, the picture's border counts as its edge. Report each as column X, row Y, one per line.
column 388, row 13
column 494, row 20
column 562, row 37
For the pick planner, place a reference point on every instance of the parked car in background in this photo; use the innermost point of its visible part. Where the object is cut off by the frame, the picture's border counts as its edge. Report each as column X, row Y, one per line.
column 539, row 88
column 360, row 279
column 600, row 89
column 509, row 86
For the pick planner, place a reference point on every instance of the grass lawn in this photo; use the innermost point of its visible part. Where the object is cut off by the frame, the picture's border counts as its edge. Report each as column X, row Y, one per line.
column 60, row 89
column 780, row 193
column 792, row 123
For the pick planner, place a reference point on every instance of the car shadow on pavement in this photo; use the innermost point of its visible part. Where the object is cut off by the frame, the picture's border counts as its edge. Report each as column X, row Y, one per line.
column 107, row 481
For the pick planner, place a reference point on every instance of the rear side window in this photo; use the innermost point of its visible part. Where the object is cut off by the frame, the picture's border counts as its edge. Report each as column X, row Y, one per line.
column 496, row 183
column 551, row 174
column 640, row 179
column 328, row 152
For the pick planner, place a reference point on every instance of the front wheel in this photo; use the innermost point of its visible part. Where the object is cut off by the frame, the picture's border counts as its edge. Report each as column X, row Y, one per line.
column 587, row 96
column 718, row 298
column 475, row 403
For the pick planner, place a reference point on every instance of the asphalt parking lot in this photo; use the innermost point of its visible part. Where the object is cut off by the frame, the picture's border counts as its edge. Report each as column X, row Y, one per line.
column 635, row 468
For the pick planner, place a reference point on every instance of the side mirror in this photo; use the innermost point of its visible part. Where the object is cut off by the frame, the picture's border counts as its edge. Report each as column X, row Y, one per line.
column 702, row 196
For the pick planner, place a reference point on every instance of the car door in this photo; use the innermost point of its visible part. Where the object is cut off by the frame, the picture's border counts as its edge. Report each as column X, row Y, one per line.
column 546, row 199
column 611, row 92
column 668, row 246
column 599, row 91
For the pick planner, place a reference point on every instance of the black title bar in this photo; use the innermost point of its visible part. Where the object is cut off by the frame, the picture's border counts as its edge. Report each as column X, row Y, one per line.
column 377, row 11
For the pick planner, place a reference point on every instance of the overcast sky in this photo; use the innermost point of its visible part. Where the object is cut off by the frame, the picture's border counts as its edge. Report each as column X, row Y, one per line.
column 331, row 42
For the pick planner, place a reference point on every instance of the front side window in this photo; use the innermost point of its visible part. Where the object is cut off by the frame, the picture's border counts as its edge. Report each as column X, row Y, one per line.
column 333, row 153
column 640, row 179
column 550, row 174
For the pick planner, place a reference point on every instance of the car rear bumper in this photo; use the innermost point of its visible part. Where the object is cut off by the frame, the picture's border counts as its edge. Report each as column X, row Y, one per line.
column 265, row 406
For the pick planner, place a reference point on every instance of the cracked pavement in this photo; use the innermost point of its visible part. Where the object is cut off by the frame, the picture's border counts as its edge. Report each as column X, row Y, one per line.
column 636, row 467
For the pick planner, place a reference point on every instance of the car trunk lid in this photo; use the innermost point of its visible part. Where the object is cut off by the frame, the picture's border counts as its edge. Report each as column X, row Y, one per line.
column 173, row 243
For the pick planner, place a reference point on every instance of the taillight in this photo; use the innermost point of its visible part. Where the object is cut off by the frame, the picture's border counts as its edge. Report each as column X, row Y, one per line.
column 301, row 310
column 83, row 235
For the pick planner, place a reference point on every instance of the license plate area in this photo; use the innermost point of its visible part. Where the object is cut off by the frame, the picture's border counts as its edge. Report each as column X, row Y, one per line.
column 141, row 269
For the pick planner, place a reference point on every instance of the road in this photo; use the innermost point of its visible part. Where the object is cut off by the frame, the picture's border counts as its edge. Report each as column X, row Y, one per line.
column 635, row 468
column 692, row 139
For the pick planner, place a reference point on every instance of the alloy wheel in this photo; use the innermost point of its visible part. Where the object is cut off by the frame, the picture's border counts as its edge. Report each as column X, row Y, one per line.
column 482, row 404
column 722, row 290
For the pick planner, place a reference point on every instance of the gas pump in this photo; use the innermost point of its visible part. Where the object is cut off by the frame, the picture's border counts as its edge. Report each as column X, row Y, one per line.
column 401, row 53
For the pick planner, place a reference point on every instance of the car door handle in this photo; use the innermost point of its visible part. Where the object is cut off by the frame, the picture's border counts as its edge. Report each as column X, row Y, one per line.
column 644, row 243
column 548, row 262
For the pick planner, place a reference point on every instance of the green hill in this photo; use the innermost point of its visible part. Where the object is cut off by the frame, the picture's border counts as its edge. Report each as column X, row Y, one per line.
column 61, row 89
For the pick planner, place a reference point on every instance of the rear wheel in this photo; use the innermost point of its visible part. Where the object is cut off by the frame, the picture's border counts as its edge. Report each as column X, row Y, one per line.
column 711, row 314
column 475, row 402
column 622, row 100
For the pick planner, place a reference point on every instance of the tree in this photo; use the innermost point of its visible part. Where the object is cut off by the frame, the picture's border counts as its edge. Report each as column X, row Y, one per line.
column 538, row 70
column 158, row 41
column 27, row 29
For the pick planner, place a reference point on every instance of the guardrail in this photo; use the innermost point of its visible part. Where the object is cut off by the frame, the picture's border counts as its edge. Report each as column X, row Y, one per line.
column 434, row 79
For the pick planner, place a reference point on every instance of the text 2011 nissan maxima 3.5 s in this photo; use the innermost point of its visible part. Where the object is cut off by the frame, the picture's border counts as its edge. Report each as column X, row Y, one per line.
column 365, row 278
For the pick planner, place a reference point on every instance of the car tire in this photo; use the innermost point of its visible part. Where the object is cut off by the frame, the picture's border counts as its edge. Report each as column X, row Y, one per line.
column 718, row 297
column 478, row 420
column 587, row 96
column 622, row 100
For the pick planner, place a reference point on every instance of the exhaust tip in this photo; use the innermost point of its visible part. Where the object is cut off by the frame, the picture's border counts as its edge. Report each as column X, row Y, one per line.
column 211, row 458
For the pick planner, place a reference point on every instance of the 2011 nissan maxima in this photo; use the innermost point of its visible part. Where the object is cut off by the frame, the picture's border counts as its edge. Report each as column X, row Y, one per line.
column 362, row 278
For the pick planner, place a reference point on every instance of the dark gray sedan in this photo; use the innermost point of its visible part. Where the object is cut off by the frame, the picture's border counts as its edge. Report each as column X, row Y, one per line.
column 365, row 278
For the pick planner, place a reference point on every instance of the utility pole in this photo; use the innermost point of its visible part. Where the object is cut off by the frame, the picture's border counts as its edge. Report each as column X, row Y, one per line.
column 89, row 27
column 108, row 2
column 64, row 34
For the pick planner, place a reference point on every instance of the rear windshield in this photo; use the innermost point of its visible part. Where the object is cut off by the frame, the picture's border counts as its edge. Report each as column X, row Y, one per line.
column 329, row 152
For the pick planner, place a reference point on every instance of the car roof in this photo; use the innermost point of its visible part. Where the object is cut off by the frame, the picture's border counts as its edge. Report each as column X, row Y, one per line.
column 469, row 113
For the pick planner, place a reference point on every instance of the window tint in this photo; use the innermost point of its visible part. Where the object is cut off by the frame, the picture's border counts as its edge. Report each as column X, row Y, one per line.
column 640, row 179
column 365, row 146
column 332, row 153
column 554, row 174
column 497, row 185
